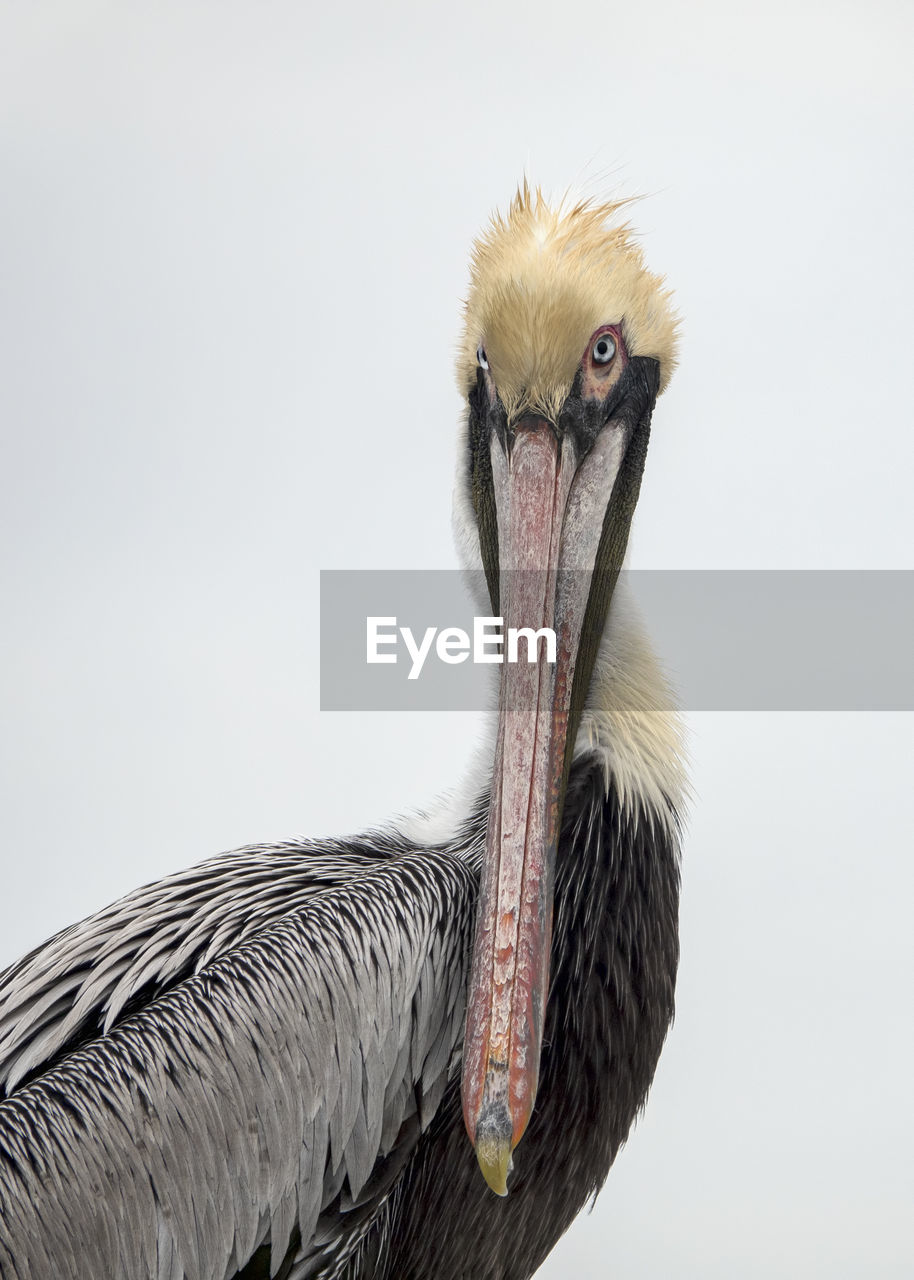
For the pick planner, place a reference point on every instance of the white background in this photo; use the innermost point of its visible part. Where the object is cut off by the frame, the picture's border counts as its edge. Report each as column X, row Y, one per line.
column 233, row 241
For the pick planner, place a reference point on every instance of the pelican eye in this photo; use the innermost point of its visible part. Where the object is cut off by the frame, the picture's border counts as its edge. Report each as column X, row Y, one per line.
column 604, row 349
column 481, row 358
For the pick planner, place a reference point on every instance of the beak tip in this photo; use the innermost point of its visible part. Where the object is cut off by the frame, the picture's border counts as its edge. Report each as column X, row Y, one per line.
column 493, row 1148
column 495, row 1163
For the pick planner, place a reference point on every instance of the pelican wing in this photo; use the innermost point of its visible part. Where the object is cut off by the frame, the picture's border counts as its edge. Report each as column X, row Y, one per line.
column 273, row 1062
column 77, row 985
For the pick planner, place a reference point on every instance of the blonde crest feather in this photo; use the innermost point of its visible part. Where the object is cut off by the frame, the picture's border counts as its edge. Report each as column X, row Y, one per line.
column 542, row 280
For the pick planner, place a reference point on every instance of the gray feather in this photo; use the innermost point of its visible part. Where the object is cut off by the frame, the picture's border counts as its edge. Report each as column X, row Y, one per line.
column 270, row 1066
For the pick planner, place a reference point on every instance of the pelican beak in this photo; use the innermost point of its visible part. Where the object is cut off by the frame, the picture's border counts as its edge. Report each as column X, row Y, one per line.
column 563, row 523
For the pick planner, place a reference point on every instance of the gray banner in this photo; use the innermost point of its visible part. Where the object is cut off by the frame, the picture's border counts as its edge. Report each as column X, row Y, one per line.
column 755, row 640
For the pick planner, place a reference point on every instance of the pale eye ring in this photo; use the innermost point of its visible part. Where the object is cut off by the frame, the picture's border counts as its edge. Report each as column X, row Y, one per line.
column 604, row 349
column 481, row 358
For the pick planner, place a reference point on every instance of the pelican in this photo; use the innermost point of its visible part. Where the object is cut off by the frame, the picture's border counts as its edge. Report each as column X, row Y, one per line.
column 416, row 1052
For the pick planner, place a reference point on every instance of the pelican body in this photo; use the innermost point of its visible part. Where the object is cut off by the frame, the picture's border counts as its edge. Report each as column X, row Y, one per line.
column 417, row 1052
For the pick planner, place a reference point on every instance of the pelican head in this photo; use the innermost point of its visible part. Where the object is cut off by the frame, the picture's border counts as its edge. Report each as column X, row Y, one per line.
column 568, row 341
